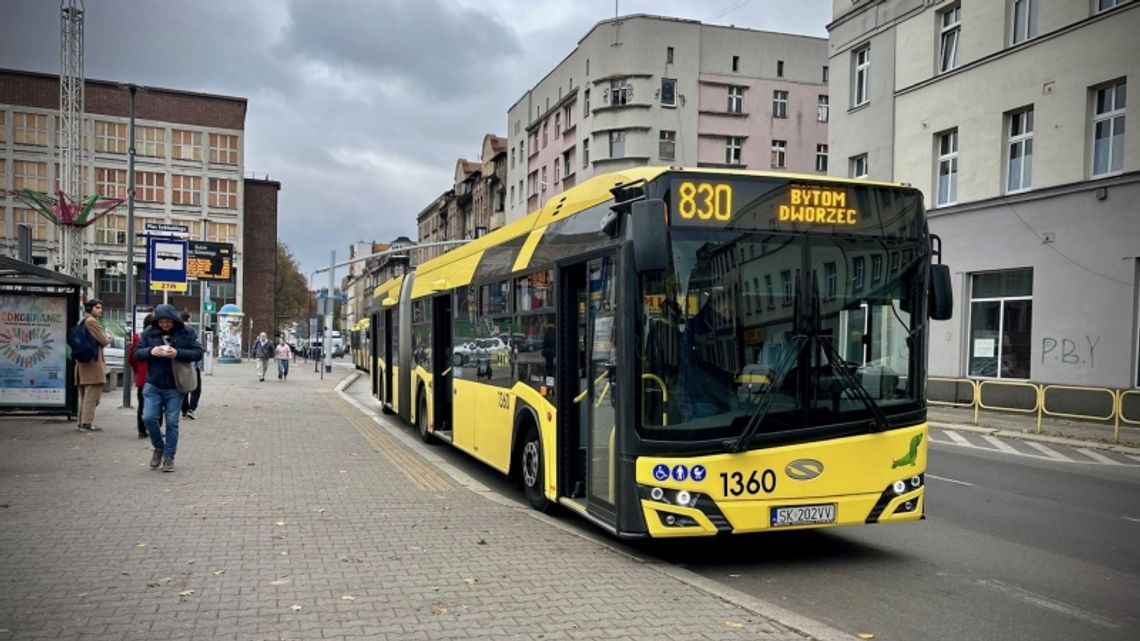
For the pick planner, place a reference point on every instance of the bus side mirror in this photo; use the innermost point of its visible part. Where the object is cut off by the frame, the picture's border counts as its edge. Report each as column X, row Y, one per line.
column 941, row 293
column 650, row 235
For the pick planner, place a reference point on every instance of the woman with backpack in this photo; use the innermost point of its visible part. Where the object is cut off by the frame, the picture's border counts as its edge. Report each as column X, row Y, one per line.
column 91, row 373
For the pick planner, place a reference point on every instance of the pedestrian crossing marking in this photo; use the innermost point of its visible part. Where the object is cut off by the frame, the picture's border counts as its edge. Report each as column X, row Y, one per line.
column 1000, row 444
column 1047, row 451
column 1098, row 457
column 1042, row 452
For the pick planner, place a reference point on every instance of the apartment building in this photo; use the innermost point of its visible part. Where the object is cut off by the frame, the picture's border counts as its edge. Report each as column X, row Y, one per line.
column 1010, row 116
column 190, row 150
column 642, row 89
column 474, row 205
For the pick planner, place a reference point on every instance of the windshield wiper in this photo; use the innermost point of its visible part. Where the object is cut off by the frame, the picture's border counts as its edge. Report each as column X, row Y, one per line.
column 880, row 420
column 791, row 357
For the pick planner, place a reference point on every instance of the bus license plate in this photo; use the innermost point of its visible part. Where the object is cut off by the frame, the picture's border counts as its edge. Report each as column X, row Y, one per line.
column 803, row 515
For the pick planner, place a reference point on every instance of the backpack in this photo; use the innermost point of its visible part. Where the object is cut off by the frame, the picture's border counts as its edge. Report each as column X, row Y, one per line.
column 84, row 349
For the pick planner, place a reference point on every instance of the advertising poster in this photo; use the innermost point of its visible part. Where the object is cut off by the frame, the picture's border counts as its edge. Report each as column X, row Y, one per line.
column 229, row 338
column 33, row 351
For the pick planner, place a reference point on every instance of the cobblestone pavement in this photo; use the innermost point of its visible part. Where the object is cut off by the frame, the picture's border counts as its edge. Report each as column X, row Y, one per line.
column 292, row 516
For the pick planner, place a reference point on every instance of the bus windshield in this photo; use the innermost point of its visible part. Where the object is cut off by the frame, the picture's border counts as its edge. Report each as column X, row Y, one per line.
column 716, row 326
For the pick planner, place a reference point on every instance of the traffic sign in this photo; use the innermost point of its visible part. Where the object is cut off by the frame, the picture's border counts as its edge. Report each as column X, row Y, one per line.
column 166, row 260
column 163, row 229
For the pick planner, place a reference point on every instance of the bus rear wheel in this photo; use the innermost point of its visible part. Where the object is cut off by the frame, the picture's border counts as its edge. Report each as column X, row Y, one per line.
column 422, row 422
column 531, row 470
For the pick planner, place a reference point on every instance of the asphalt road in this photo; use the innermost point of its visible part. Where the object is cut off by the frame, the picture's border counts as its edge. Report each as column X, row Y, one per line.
column 1013, row 548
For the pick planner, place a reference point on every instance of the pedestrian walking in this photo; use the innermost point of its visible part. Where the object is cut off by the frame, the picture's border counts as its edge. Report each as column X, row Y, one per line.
column 140, row 370
column 166, row 340
column 91, row 375
column 190, row 400
column 283, row 353
column 262, row 351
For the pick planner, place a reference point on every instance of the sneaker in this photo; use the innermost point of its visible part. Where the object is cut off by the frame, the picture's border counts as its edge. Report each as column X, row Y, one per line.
column 90, row 428
column 190, row 414
column 155, row 458
column 167, row 464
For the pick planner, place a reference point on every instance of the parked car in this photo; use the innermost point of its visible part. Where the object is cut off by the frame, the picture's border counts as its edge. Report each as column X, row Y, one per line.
column 113, row 354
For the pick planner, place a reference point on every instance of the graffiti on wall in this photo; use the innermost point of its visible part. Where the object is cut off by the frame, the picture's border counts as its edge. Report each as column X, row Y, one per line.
column 1077, row 352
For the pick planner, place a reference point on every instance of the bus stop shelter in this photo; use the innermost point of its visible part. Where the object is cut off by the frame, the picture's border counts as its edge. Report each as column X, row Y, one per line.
column 37, row 308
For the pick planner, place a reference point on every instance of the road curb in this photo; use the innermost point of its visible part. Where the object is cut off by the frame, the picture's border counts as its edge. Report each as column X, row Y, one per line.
column 809, row 628
column 1029, row 436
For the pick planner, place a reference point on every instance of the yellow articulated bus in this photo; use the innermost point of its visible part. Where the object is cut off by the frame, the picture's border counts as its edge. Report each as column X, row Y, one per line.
column 360, row 343
column 672, row 352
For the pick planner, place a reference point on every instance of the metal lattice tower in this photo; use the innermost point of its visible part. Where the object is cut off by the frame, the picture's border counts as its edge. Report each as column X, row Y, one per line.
column 71, row 113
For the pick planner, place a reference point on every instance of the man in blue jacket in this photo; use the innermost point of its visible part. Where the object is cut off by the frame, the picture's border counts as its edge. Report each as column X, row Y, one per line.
column 166, row 340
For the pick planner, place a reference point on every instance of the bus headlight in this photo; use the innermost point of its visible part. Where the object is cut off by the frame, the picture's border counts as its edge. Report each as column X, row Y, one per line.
column 657, row 494
column 683, row 498
column 900, row 487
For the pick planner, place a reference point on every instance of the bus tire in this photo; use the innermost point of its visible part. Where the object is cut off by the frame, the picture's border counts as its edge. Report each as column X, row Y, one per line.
column 531, row 471
column 422, row 421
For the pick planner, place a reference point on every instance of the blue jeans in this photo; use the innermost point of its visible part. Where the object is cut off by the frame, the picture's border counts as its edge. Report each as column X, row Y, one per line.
column 282, row 368
column 167, row 402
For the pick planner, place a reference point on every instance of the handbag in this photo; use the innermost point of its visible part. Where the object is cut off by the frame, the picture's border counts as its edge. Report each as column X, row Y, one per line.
column 185, row 378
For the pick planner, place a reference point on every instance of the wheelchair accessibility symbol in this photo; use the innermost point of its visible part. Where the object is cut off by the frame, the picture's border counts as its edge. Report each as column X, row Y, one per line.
column 661, row 472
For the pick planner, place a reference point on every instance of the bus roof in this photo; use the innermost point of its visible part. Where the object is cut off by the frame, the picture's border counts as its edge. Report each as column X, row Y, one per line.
column 457, row 266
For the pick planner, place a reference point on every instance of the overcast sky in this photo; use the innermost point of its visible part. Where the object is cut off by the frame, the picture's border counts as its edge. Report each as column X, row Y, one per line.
column 359, row 107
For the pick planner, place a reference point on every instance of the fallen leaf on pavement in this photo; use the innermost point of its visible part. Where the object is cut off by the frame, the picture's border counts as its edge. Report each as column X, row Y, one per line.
column 279, row 523
column 348, row 597
column 280, row 582
column 295, row 607
column 219, row 572
column 734, row 624
column 186, row 593
column 438, row 609
column 164, row 580
column 141, row 545
column 866, row 635
column 471, row 581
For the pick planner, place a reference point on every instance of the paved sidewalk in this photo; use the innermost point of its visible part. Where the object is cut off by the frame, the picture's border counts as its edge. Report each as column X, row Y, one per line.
column 293, row 516
column 1024, row 426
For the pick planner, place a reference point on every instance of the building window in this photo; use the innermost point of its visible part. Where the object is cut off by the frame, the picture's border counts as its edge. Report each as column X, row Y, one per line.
column 545, row 128
column 586, row 103
column 567, row 112
column 1023, row 20
column 859, row 167
column 947, row 168
column 29, row 175
column 1105, row 5
column 567, row 163
column 736, row 63
column 779, row 68
column 950, row 29
column 822, row 109
column 830, row 280
column 111, row 230
column 557, row 171
column 542, row 184
column 1020, row 165
column 30, row 129
column 617, row 144
column 876, row 268
column 735, row 100
column 825, row 73
column 150, row 141
column 858, row 273
column 223, row 149
column 821, row 158
column 621, row 92
column 3, row 126
column 779, row 154
column 111, row 183
column 1001, row 319
column 110, row 137
column 779, row 104
column 669, row 55
column 1108, row 130
column 512, row 195
column 221, row 232
column 667, row 145
column 512, row 157
column 668, row 92
column 33, row 219
column 786, row 285
column 186, row 145
column 186, row 190
column 150, row 187
column 732, row 149
column 862, row 59
column 585, row 153
column 558, row 125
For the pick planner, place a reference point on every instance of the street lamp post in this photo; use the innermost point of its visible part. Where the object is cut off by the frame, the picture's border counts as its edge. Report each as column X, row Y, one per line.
column 129, row 312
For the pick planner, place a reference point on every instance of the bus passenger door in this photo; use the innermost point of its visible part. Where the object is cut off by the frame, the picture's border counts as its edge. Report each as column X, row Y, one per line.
column 389, row 357
column 441, row 365
column 589, row 434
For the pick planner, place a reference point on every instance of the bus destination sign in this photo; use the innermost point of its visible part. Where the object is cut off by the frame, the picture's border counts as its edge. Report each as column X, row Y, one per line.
column 817, row 206
column 210, row 261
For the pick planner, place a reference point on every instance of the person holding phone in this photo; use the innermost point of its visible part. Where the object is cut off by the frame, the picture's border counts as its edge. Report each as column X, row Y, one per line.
column 165, row 340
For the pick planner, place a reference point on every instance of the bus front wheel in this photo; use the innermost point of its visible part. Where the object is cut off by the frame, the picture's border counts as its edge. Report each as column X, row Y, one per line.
column 531, row 470
column 422, row 422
